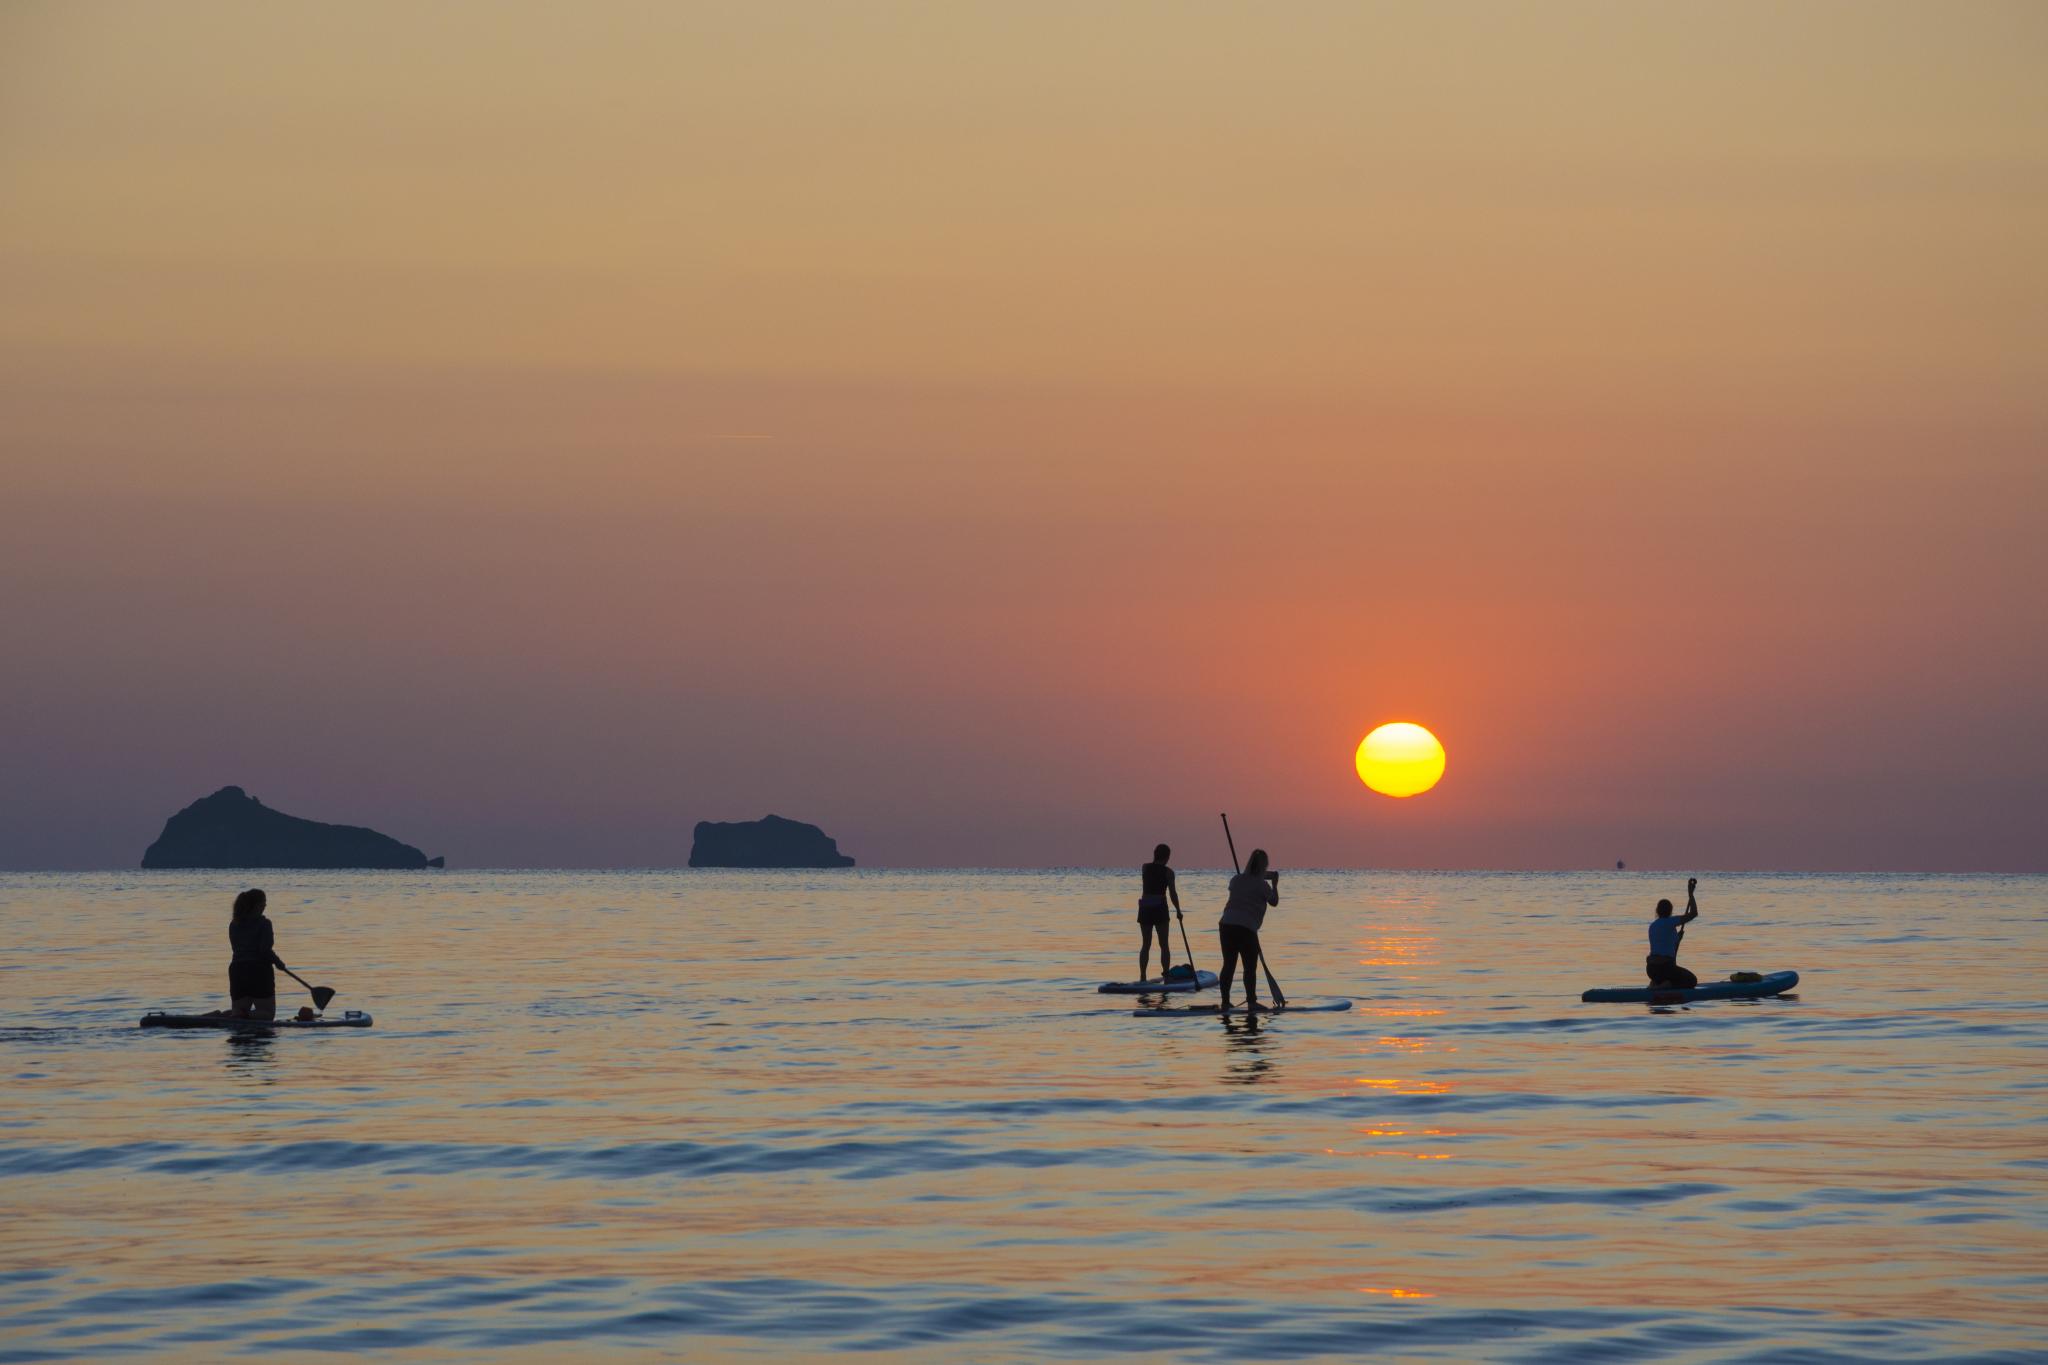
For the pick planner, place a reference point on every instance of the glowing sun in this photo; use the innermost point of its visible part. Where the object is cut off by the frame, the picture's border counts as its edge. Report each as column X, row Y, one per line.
column 1400, row 759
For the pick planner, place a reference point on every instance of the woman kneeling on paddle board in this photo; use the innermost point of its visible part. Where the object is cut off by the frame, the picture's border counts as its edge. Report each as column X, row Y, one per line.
column 251, row 985
column 1667, row 931
column 1251, row 891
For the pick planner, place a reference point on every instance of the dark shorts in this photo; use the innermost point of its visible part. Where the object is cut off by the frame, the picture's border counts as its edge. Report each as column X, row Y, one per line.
column 1152, row 910
column 1665, row 971
column 1239, row 940
column 251, row 979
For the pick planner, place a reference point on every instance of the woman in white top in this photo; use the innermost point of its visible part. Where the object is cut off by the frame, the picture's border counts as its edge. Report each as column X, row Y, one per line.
column 1251, row 892
column 1667, row 931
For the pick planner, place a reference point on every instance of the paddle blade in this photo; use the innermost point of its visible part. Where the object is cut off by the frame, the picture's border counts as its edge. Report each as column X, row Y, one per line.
column 321, row 995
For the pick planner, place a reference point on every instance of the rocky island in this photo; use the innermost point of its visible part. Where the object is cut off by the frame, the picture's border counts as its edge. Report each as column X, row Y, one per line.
column 769, row 842
column 233, row 829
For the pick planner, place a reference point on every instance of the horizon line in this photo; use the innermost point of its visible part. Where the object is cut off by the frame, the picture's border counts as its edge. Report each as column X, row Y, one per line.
column 1695, row 870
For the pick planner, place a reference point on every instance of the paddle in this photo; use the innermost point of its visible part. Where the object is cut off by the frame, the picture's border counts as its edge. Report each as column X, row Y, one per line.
column 321, row 994
column 1184, row 947
column 1692, row 908
column 1279, row 996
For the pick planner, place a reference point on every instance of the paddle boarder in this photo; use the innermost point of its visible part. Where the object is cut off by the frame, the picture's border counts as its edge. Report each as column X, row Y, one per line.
column 1155, row 887
column 1252, row 891
column 251, row 985
column 1667, row 931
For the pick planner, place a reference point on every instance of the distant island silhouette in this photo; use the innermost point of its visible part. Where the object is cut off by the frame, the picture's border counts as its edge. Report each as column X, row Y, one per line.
column 769, row 842
column 233, row 829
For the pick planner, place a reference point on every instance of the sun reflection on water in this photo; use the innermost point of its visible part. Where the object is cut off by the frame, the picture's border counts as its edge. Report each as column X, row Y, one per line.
column 1404, row 1085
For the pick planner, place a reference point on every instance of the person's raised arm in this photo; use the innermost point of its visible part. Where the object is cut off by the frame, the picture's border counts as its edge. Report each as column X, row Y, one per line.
column 1272, row 888
column 1692, row 905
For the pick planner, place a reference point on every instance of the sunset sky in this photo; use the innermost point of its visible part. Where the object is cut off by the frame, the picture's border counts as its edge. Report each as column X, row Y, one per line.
column 1011, row 434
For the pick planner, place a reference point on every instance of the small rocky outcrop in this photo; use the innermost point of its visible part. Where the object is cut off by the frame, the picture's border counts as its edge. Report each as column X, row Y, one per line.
column 233, row 829
column 769, row 842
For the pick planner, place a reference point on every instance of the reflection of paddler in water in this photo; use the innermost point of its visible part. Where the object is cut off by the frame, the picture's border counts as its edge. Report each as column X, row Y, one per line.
column 1667, row 931
column 1246, row 1062
column 1251, row 892
column 1155, row 886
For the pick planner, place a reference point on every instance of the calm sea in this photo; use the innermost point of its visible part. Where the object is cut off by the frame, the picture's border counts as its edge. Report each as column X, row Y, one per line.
column 664, row 1115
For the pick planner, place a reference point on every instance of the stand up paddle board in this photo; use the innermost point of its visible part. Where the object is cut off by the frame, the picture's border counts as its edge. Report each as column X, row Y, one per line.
column 159, row 1019
column 1201, row 981
column 1315, row 1007
column 1776, row 983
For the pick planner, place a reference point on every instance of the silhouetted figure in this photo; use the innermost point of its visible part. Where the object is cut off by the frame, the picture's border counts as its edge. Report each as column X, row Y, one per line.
column 1155, row 887
column 1667, row 931
column 251, row 984
column 1251, row 892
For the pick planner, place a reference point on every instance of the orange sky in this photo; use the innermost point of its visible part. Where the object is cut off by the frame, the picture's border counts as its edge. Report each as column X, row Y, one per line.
column 1009, row 435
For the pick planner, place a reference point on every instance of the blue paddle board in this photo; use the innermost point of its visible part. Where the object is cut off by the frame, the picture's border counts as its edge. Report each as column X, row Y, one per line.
column 1313, row 1007
column 1776, row 983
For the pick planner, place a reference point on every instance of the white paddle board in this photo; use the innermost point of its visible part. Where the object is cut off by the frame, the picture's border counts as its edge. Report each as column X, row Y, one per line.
column 1202, row 981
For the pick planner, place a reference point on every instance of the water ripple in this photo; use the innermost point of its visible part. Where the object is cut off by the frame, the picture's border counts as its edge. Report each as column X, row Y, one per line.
column 718, row 1115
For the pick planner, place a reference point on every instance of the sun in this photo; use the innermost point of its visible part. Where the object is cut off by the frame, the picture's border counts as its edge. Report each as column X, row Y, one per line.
column 1400, row 759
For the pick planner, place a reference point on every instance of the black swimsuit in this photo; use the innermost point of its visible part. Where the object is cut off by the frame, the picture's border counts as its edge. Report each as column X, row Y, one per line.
column 249, row 971
column 1153, row 880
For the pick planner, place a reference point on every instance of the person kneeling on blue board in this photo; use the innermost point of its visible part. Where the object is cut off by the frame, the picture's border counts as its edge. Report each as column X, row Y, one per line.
column 1667, row 931
column 1155, row 884
column 252, row 988
column 1244, row 914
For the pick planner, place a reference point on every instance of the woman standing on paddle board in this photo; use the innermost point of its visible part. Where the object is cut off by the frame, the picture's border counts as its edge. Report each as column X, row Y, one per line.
column 1251, row 892
column 1155, row 884
column 251, row 985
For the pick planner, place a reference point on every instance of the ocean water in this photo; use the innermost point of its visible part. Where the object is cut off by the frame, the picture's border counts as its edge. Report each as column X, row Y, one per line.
column 711, row 1115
